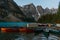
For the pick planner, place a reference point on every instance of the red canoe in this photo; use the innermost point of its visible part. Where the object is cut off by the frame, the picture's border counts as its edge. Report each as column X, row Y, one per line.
column 26, row 30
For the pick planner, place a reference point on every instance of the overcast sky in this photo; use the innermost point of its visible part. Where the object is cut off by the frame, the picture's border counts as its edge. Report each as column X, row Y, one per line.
column 43, row 3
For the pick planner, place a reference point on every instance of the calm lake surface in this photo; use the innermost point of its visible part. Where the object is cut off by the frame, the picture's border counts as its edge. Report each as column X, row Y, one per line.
column 37, row 37
column 25, row 36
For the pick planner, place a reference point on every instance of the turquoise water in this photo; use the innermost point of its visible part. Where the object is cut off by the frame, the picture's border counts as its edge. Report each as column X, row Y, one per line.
column 13, row 24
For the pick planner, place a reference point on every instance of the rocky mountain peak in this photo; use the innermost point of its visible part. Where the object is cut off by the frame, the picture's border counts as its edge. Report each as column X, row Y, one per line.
column 46, row 11
column 8, row 7
column 40, row 9
column 31, row 11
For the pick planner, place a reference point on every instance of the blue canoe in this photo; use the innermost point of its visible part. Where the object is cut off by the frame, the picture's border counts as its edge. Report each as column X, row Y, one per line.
column 13, row 24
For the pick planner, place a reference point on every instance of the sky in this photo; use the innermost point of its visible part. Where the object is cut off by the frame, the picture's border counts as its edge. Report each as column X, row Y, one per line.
column 43, row 3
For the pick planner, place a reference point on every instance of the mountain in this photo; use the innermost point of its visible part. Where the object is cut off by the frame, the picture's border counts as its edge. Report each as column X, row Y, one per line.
column 10, row 11
column 8, row 7
column 53, row 11
column 11, row 18
column 40, row 9
column 30, row 11
column 45, row 11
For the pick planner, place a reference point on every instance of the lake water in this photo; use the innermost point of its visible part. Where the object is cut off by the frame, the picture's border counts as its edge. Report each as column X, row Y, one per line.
column 37, row 37
column 30, row 36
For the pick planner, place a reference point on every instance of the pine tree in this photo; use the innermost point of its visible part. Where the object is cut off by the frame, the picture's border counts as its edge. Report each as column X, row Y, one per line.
column 57, row 17
column 58, row 9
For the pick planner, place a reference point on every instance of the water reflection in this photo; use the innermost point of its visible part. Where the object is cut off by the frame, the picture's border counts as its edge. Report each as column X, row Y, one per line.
column 38, row 37
column 41, row 37
column 19, row 36
column 53, row 37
